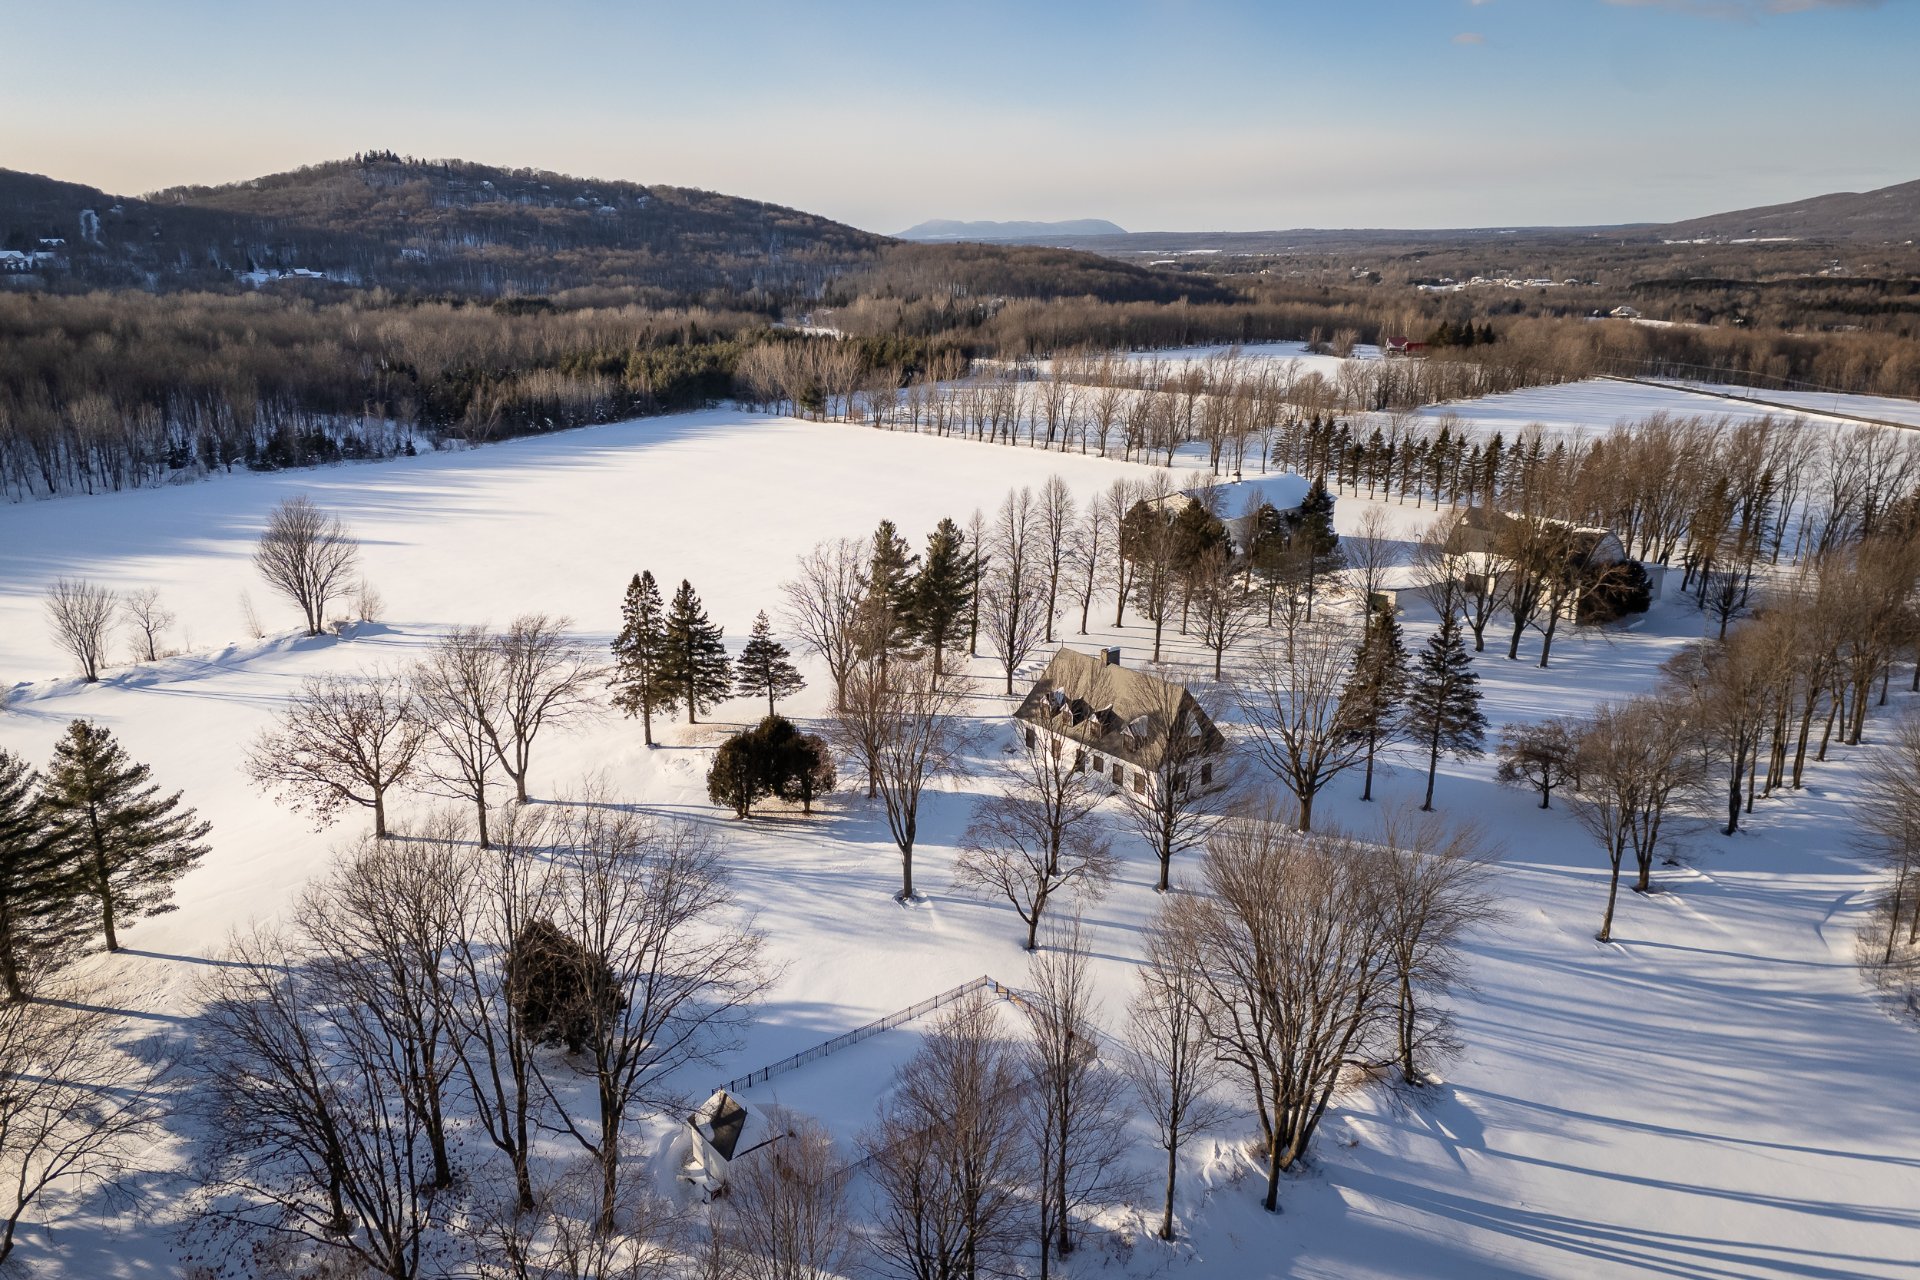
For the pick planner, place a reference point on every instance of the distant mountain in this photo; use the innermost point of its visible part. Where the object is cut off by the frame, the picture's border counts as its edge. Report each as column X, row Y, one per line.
column 1890, row 213
column 1010, row 232
column 379, row 220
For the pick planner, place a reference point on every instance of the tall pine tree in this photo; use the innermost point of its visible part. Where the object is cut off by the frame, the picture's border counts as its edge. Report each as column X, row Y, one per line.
column 940, row 599
column 885, row 618
column 638, row 652
column 127, row 844
column 1377, row 689
column 1443, row 701
column 764, row 667
column 694, row 656
column 37, row 890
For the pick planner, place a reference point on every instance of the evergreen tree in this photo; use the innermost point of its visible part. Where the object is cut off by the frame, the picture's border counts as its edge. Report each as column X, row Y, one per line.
column 638, row 654
column 764, row 666
column 1443, row 701
column 940, row 599
column 126, row 843
column 885, row 619
column 772, row 758
column 37, row 892
column 1377, row 689
column 694, row 655
column 1314, row 544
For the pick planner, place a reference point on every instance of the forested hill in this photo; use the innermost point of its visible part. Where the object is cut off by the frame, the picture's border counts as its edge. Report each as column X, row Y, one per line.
column 378, row 220
column 1886, row 214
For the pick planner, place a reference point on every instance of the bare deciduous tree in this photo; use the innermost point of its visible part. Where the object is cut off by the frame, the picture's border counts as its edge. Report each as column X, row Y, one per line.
column 949, row 1152
column 1372, row 552
column 148, row 619
column 785, row 1215
column 342, row 740
column 546, row 679
column 1635, row 759
column 903, row 728
column 1076, row 1121
column 823, row 607
column 312, row 1134
column 1038, row 836
column 1170, row 1058
column 457, row 688
column 1293, row 695
column 1174, row 804
column 79, row 615
column 1292, row 942
column 308, row 556
column 1437, row 890
column 500, row 892
column 670, row 984
column 379, row 927
column 71, row 1099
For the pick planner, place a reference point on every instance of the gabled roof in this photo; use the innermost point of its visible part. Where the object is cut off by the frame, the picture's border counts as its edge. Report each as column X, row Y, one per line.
column 1116, row 710
column 1479, row 530
column 721, row 1120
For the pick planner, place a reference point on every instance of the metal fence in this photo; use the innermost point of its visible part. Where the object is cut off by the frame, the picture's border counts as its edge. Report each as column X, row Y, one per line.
column 873, row 1028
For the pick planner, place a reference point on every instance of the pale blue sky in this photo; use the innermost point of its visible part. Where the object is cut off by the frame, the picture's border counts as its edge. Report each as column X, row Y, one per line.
column 1159, row 114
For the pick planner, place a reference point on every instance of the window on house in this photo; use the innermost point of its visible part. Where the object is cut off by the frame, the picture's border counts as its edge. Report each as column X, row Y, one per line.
column 1206, row 775
column 1031, row 740
column 1139, row 782
column 1079, row 762
column 1056, row 748
column 1119, row 774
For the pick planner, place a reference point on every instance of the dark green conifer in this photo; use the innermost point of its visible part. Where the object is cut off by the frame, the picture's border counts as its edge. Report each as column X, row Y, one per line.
column 885, row 617
column 1377, row 687
column 764, row 667
column 38, row 896
column 126, row 844
column 694, row 656
column 1443, row 701
column 940, row 599
column 638, row 653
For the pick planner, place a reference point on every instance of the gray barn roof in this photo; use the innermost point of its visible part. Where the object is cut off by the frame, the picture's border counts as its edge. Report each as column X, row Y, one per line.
column 1118, row 711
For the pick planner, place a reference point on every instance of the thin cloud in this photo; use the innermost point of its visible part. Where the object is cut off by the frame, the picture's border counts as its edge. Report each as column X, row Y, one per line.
column 1745, row 10
column 1469, row 37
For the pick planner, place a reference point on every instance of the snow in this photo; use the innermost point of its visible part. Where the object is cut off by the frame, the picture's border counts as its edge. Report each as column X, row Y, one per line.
column 1714, row 1094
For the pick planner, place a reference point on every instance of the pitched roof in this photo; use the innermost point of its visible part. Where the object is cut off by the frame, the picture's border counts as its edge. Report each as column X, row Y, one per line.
column 1118, row 711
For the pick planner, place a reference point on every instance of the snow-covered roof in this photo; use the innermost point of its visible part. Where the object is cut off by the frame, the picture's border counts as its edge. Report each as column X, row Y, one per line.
column 1281, row 490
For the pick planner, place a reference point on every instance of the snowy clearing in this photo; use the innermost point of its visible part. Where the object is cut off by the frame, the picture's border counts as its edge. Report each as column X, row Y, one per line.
column 1714, row 1094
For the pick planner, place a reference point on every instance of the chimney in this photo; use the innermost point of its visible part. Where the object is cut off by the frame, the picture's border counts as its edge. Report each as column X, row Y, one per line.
column 1113, row 656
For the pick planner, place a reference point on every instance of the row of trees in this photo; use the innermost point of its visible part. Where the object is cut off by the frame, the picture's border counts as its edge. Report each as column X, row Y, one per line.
column 674, row 656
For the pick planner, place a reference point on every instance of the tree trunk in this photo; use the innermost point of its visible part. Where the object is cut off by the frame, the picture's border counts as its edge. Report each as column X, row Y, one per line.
column 1613, row 894
column 1173, row 1171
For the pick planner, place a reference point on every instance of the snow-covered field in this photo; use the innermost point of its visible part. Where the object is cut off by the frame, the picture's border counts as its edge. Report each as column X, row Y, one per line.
column 1591, row 406
column 1713, row 1094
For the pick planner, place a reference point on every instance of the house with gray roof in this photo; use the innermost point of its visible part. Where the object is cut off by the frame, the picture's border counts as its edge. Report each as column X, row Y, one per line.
column 1133, row 728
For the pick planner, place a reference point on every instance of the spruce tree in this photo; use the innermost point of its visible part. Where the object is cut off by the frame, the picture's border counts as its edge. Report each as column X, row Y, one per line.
column 1314, row 543
column 638, row 653
column 764, row 666
column 1443, row 701
column 127, row 844
column 38, row 897
column 885, row 614
column 694, row 657
column 1377, row 689
column 940, row 599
